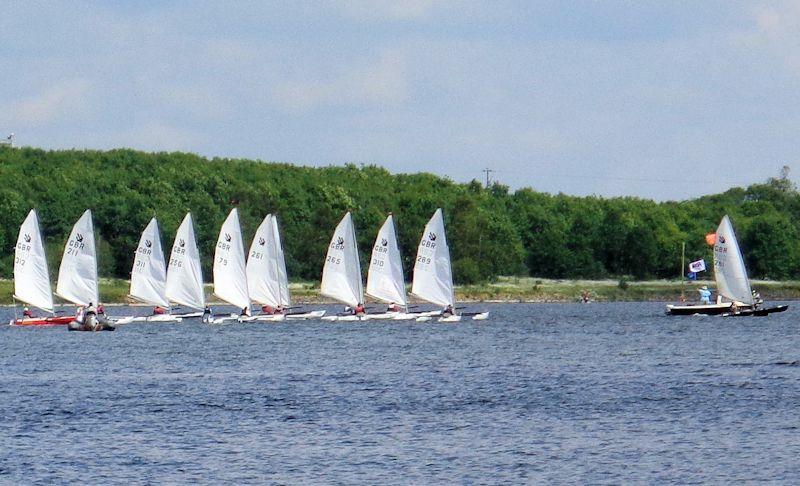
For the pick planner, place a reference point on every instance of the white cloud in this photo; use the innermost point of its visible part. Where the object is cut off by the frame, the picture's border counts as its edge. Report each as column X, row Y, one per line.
column 55, row 102
column 384, row 83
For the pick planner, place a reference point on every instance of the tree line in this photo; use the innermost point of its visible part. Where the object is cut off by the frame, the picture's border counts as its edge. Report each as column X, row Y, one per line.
column 491, row 231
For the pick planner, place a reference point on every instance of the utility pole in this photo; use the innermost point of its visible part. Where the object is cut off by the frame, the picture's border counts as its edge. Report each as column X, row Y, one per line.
column 487, row 171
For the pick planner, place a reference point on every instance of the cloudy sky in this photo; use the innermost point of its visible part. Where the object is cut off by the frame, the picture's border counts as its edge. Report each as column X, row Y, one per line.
column 664, row 100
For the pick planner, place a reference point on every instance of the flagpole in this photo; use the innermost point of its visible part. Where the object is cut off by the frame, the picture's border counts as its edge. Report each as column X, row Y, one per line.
column 680, row 274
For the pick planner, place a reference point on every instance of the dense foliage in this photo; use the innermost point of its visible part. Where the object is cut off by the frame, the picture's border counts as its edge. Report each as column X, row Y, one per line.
column 491, row 231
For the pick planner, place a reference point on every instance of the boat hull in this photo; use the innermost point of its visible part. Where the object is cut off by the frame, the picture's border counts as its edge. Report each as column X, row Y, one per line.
column 42, row 321
column 760, row 312
column 704, row 309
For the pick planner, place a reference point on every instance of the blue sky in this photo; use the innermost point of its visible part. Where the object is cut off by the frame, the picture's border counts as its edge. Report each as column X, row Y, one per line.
column 664, row 100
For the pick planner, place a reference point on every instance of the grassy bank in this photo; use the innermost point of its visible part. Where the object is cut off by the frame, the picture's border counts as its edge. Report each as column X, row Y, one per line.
column 506, row 289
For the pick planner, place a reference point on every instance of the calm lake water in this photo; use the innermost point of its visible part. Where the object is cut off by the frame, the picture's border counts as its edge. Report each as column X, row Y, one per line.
column 599, row 393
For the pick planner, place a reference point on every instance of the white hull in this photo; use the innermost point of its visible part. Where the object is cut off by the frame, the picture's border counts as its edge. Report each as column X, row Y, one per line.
column 155, row 318
column 306, row 315
column 265, row 318
column 480, row 317
column 455, row 318
column 343, row 318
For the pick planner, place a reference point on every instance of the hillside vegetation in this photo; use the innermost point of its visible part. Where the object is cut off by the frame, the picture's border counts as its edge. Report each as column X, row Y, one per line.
column 491, row 231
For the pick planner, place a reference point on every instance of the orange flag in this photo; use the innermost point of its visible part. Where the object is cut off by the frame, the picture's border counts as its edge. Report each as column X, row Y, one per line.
column 711, row 238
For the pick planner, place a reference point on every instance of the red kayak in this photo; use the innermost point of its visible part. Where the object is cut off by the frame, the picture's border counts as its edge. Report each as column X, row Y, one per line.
column 42, row 321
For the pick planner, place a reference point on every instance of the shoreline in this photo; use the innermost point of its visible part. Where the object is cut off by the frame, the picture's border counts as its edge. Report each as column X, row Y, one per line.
column 504, row 290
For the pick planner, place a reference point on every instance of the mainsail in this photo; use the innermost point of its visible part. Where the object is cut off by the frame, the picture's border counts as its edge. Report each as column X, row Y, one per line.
column 184, row 275
column 385, row 275
column 341, row 275
column 267, row 279
column 230, row 278
column 149, row 273
column 433, row 277
column 77, row 276
column 729, row 270
column 31, row 278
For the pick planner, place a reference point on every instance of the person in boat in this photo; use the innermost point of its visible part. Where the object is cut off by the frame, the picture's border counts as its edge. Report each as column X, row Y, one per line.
column 757, row 300
column 268, row 310
column 79, row 314
column 393, row 308
column 359, row 310
column 585, row 296
column 705, row 295
column 448, row 311
column 207, row 313
column 158, row 310
column 26, row 313
column 280, row 309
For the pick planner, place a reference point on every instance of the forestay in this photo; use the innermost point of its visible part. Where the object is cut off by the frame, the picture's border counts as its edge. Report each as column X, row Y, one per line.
column 433, row 277
column 149, row 273
column 341, row 275
column 31, row 277
column 267, row 280
column 184, row 275
column 230, row 278
column 729, row 270
column 77, row 276
column 385, row 279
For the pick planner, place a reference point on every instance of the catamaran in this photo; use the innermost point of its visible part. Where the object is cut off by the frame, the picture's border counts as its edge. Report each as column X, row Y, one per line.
column 341, row 274
column 730, row 275
column 267, row 279
column 149, row 277
column 31, row 276
column 184, row 274
column 77, row 275
column 433, row 276
column 230, row 276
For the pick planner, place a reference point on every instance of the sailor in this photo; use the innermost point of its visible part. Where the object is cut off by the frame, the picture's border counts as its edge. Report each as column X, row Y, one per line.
column 91, row 310
column 79, row 314
column 705, row 295
column 267, row 309
column 280, row 309
column 157, row 310
column 101, row 310
column 448, row 311
column 27, row 312
column 585, row 296
column 393, row 308
column 207, row 313
column 757, row 300
column 359, row 310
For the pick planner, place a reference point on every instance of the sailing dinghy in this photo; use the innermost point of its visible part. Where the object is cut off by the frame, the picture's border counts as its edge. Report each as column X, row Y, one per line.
column 184, row 275
column 230, row 275
column 77, row 275
column 730, row 275
column 433, row 276
column 31, row 277
column 149, row 276
column 267, row 279
column 341, row 274
column 385, row 281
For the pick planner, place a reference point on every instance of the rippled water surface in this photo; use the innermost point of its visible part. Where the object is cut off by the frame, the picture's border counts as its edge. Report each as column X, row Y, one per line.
column 543, row 392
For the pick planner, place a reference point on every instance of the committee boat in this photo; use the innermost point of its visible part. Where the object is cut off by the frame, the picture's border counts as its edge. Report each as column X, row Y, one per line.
column 735, row 295
column 31, row 276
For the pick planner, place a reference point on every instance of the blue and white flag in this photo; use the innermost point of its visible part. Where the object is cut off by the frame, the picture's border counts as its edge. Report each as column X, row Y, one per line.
column 698, row 266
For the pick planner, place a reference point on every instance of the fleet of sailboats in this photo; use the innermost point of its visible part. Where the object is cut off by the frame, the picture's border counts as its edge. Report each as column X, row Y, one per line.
column 260, row 276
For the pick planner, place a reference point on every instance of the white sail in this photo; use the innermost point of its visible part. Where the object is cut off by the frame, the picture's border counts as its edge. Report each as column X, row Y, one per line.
column 149, row 273
column 184, row 275
column 433, row 277
column 341, row 275
column 77, row 276
column 267, row 279
column 385, row 279
column 230, row 277
column 31, row 278
column 729, row 270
